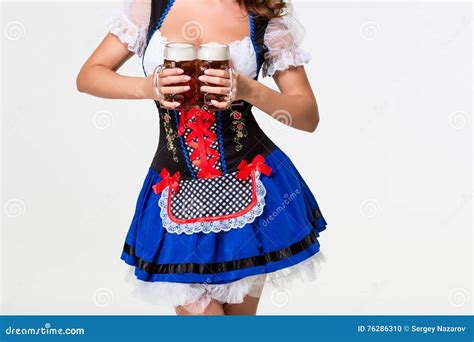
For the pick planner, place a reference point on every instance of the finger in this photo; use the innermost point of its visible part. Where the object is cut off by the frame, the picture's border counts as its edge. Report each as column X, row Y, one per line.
column 217, row 72
column 220, row 105
column 174, row 90
column 170, row 105
column 215, row 90
column 174, row 79
column 215, row 80
column 171, row 72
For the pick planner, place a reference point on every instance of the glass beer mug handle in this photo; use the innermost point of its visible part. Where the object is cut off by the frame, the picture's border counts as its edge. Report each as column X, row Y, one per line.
column 231, row 73
column 156, row 80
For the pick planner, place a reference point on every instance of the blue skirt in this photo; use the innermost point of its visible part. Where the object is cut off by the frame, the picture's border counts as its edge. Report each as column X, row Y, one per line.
column 285, row 234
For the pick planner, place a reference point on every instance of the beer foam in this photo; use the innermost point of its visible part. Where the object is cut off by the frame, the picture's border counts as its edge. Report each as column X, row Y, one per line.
column 179, row 52
column 214, row 52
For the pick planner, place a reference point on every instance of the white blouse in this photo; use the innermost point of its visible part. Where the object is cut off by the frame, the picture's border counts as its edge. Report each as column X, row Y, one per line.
column 283, row 37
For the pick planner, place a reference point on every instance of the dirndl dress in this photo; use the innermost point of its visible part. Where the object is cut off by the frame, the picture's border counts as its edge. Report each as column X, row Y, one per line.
column 222, row 210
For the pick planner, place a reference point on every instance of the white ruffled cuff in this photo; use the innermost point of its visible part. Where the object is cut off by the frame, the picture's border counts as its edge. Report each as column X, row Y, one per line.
column 128, row 33
column 289, row 57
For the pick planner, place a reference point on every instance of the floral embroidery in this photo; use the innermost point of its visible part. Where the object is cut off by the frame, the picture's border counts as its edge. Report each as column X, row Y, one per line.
column 170, row 135
column 238, row 125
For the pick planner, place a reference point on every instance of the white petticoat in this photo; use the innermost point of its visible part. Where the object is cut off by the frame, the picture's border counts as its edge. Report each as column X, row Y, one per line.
column 196, row 297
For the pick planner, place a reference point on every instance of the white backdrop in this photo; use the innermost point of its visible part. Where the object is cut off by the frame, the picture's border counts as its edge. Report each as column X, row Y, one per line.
column 390, row 164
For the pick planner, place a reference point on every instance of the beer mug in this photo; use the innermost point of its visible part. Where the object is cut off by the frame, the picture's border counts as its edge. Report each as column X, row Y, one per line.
column 183, row 56
column 213, row 56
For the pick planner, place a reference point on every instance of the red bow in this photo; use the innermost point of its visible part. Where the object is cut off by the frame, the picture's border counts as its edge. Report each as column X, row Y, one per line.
column 258, row 163
column 166, row 180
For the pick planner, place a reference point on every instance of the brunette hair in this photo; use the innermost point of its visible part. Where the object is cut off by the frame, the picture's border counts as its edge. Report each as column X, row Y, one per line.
column 265, row 8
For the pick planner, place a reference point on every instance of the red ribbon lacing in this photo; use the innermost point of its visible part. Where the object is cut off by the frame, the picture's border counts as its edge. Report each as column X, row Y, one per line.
column 258, row 163
column 203, row 155
column 167, row 180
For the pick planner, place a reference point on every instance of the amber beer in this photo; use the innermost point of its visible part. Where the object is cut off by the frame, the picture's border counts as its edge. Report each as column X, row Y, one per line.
column 183, row 56
column 212, row 56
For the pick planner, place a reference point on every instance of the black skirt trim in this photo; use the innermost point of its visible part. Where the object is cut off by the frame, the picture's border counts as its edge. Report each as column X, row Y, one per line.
column 227, row 266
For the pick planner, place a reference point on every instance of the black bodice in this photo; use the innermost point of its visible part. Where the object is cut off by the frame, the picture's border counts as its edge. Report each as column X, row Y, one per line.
column 202, row 144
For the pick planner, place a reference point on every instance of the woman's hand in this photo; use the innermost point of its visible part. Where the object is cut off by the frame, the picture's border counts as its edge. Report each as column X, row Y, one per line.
column 220, row 83
column 169, row 82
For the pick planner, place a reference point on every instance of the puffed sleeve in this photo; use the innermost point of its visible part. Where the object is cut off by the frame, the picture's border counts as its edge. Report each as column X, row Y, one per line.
column 283, row 37
column 131, row 26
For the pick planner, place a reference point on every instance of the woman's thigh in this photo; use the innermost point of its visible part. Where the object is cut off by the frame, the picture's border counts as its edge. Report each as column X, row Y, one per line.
column 247, row 307
column 213, row 309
